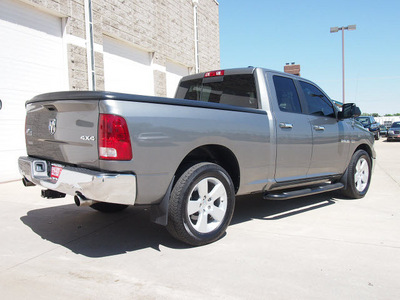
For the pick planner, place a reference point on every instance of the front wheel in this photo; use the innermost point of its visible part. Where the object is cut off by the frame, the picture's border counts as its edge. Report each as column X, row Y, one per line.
column 377, row 136
column 201, row 204
column 358, row 175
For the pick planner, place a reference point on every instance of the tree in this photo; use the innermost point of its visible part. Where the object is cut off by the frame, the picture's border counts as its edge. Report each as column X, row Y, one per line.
column 368, row 114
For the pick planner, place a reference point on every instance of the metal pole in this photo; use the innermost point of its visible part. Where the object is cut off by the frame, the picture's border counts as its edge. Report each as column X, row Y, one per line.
column 196, row 37
column 343, row 63
column 336, row 29
column 90, row 45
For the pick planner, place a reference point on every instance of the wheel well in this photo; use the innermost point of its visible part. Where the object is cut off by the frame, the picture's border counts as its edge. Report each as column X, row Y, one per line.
column 366, row 148
column 217, row 154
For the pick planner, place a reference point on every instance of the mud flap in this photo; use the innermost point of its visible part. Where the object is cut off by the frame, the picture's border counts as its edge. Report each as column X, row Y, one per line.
column 159, row 213
column 344, row 178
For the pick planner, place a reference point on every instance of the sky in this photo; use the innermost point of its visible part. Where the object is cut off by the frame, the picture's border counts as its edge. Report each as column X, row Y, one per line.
column 269, row 34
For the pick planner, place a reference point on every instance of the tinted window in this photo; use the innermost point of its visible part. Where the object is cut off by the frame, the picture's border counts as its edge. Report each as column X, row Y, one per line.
column 238, row 90
column 364, row 120
column 190, row 89
column 286, row 93
column 317, row 103
column 396, row 125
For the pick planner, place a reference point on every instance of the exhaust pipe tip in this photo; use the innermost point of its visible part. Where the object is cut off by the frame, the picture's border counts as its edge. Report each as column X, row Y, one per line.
column 77, row 200
column 81, row 200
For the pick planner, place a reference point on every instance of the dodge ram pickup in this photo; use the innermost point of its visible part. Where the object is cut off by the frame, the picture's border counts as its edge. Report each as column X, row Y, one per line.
column 226, row 133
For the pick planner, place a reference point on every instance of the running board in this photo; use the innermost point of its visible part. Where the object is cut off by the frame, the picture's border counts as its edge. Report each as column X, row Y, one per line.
column 304, row 192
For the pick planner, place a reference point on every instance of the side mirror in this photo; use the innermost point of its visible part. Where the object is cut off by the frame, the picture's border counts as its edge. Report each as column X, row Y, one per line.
column 1, row 104
column 349, row 110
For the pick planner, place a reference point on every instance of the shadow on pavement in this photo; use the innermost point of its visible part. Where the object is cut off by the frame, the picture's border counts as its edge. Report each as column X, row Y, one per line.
column 94, row 234
column 255, row 207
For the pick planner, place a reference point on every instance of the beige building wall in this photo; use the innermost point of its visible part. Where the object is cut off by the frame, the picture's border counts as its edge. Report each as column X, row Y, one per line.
column 164, row 28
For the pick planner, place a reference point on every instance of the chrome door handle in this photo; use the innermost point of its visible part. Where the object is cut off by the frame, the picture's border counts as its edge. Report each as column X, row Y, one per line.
column 319, row 128
column 285, row 125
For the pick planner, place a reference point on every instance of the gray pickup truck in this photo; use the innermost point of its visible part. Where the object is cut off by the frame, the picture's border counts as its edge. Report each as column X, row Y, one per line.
column 226, row 133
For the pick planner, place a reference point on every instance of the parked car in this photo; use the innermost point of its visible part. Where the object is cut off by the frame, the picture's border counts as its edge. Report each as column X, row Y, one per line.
column 394, row 132
column 369, row 123
column 383, row 130
column 227, row 132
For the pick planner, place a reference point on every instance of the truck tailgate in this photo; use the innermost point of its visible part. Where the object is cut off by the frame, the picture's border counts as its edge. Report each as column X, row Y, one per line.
column 63, row 131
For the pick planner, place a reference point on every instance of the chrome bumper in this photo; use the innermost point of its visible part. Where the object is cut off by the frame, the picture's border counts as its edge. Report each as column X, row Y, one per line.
column 93, row 185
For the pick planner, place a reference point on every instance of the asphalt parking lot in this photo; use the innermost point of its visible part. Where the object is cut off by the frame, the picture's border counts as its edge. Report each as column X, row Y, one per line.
column 320, row 247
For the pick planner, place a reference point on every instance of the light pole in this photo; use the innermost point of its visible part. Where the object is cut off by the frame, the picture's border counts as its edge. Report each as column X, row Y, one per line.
column 196, row 36
column 336, row 29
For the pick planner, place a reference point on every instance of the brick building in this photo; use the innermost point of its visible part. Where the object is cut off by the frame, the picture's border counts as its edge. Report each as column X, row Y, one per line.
column 132, row 46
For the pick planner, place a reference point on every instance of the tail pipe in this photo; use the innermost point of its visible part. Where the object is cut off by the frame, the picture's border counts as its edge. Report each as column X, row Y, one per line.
column 81, row 200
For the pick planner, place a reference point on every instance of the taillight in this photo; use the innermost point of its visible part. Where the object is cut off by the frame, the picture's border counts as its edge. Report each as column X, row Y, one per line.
column 214, row 73
column 114, row 139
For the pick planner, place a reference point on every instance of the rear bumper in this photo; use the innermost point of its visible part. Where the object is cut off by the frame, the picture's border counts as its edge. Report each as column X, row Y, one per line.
column 93, row 185
column 393, row 136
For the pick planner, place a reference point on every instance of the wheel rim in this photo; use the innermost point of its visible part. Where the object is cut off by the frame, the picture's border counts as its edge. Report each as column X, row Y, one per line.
column 207, row 205
column 361, row 175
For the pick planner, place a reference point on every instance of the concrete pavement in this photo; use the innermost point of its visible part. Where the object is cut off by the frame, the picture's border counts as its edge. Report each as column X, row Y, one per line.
column 320, row 247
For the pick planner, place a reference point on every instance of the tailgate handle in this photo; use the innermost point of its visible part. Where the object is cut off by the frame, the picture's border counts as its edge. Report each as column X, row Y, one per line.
column 50, row 107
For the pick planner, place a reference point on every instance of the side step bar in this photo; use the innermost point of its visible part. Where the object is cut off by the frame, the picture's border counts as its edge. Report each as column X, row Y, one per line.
column 304, row 192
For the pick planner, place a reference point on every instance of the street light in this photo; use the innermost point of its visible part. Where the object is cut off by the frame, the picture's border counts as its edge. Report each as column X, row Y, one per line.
column 196, row 36
column 336, row 29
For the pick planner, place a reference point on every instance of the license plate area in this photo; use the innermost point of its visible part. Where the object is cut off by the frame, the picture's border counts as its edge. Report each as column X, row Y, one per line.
column 56, row 171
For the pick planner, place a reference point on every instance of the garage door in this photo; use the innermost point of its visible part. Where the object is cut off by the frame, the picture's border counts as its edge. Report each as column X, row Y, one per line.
column 174, row 73
column 31, row 60
column 126, row 68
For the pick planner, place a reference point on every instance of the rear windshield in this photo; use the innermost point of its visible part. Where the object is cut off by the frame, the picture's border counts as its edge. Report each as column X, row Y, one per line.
column 238, row 90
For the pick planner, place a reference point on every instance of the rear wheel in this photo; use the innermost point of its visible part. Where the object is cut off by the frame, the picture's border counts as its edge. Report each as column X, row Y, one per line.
column 108, row 207
column 358, row 175
column 201, row 204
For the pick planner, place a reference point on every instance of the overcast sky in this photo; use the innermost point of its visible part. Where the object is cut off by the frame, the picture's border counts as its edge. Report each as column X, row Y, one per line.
column 271, row 33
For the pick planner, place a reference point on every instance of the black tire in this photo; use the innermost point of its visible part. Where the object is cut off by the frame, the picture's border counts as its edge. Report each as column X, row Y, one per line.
column 108, row 207
column 201, row 204
column 358, row 175
column 377, row 136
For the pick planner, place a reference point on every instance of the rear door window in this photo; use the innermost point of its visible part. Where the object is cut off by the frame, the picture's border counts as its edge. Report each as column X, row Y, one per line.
column 237, row 90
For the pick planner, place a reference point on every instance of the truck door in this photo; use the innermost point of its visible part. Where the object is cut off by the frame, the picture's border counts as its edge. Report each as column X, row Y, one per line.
column 330, row 146
column 293, row 132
